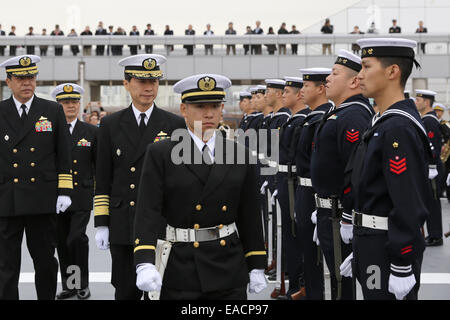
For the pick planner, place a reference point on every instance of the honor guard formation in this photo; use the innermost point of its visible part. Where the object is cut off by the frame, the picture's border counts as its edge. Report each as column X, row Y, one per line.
column 332, row 170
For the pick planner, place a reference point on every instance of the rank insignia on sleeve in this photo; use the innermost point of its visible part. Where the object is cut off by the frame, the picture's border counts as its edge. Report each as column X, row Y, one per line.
column 137, row 241
column 43, row 125
column 395, row 145
column 431, row 134
column 398, row 165
column 83, row 143
column 161, row 136
column 352, row 135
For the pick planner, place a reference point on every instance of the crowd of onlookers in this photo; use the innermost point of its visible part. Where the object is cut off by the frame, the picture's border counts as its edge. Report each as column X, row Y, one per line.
column 117, row 50
column 93, row 113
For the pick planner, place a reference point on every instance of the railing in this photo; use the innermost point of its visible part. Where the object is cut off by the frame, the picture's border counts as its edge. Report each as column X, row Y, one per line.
column 308, row 44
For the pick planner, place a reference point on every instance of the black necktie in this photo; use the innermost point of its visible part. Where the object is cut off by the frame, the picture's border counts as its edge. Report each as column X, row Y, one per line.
column 24, row 115
column 142, row 125
column 206, row 157
column 70, row 126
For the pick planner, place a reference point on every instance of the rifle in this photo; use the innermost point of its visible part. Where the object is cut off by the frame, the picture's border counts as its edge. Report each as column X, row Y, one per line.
column 291, row 195
column 335, row 221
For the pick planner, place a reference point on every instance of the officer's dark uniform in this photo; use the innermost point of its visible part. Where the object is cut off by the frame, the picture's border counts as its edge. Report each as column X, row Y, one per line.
column 336, row 138
column 434, row 220
column 73, row 243
column 197, row 196
column 292, row 252
column 121, row 149
column 34, row 170
column 391, row 194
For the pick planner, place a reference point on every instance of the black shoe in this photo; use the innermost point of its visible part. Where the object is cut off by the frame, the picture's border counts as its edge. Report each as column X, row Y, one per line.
column 434, row 242
column 83, row 294
column 66, row 294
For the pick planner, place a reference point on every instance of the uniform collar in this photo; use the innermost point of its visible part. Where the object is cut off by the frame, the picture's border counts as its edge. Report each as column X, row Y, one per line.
column 137, row 113
column 19, row 104
column 72, row 125
column 211, row 143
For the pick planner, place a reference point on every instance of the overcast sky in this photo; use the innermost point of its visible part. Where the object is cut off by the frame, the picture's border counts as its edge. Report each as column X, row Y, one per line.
column 177, row 13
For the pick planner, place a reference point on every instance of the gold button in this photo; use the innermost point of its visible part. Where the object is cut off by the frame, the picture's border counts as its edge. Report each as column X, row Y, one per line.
column 33, row 179
column 16, row 180
column 224, row 208
column 132, row 186
column 221, row 226
column 132, row 169
column 75, row 184
column 32, row 164
column 223, row 243
column 15, row 165
column 32, row 149
column 75, row 161
column 198, row 207
column 15, row 150
column 196, row 244
column 132, row 203
column 196, row 226
column 75, row 173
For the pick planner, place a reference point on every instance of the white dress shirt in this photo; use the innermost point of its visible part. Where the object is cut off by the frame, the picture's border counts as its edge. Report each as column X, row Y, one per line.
column 137, row 114
column 19, row 105
column 72, row 125
column 211, row 143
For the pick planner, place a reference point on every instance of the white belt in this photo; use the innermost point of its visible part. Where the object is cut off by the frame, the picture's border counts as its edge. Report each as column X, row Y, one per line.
column 305, row 182
column 203, row 234
column 325, row 203
column 368, row 221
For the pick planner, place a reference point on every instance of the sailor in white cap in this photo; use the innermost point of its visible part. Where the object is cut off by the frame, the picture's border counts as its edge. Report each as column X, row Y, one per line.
column 424, row 103
column 73, row 243
column 35, row 166
column 123, row 139
column 390, row 176
column 314, row 95
column 334, row 142
column 440, row 109
column 244, row 104
column 214, row 201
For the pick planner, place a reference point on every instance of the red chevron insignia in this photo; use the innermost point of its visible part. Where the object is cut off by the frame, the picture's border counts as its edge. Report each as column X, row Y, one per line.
column 406, row 250
column 352, row 135
column 398, row 166
column 431, row 134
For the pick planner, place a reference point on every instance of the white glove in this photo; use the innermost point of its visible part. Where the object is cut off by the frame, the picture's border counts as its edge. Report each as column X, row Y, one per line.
column 432, row 173
column 401, row 286
column 314, row 217
column 148, row 278
column 346, row 232
column 257, row 281
column 62, row 203
column 315, row 237
column 448, row 180
column 272, row 199
column 263, row 187
column 102, row 238
column 346, row 266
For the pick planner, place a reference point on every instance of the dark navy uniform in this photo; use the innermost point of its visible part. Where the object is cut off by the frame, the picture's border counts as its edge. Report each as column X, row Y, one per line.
column 305, row 205
column 336, row 137
column 390, row 183
column 291, row 238
column 434, row 220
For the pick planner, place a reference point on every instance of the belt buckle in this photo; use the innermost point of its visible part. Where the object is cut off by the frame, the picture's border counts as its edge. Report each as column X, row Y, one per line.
column 357, row 219
column 207, row 234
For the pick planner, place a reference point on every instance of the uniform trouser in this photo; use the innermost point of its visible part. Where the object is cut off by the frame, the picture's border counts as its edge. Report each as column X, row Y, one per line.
column 434, row 219
column 123, row 273
column 40, row 233
column 325, row 235
column 312, row 264
column 230, row 294
column 290, row 245
column 73, row 246
column 372, row 267
column 100, row 50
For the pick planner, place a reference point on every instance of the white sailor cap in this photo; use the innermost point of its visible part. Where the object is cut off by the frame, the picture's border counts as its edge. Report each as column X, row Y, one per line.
column 349, row 60
column 245, row 95
column 439, row 106
column 427, row 94
column 261, row 89
column 388, row 47
column 253, row 90
column 67, row 91
column 202, row 88
column 315, row 74
column 275, row 83
column 143, row 66
column 294, row 82
column 21, row 66
column 407, row 94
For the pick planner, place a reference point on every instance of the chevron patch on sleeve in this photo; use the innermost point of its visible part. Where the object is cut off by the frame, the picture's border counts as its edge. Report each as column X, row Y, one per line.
column 398, row 165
